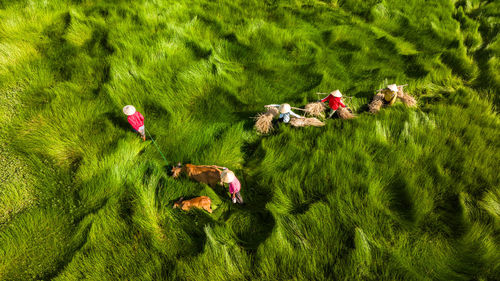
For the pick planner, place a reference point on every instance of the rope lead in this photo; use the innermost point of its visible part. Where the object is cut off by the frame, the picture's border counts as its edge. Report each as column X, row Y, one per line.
column 156, row 145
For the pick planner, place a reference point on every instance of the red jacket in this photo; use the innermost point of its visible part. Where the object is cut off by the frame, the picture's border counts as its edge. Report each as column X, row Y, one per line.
column 333, row 102
column 136, row 120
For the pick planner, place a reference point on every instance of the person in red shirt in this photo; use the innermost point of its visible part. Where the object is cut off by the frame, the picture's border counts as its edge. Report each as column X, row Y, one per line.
column 135, row 119
column 334, row 101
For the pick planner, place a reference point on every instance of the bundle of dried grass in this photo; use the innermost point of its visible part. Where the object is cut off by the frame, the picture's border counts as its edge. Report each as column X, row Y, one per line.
column 376, row 104
column 303, row 122
column 264, row 123
column 400, row 92
column 408, row 100
column 273, row 111
column 315, row 109
column 344, row 113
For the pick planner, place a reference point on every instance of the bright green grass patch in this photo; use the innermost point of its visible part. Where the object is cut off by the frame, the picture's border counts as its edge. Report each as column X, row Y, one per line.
column 407, row 194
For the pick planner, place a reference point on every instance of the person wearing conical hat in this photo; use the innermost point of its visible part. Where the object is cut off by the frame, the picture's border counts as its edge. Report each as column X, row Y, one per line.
column 227, row 176
column 334, row 100
column 285, row 111
column 390, row 94
column 135, row 119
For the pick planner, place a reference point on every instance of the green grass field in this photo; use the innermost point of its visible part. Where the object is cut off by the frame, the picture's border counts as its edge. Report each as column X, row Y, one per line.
column 407, row 194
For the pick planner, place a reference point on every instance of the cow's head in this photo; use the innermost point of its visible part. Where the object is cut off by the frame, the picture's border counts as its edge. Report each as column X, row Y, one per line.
column 178, row 203
column 176, row 170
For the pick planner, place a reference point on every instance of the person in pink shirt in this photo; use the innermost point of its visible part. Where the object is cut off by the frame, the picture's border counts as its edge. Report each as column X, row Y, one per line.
column 136, row 120
column 228, row 176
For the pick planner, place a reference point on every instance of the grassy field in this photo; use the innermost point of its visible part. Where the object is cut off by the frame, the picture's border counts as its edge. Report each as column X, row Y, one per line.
column 407, row 194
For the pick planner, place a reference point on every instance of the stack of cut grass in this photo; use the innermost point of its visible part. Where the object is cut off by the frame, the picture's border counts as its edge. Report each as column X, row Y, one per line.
column 344, row 113
column 315, row 109
column 264, row 121
column 406, row 98
column 304, row 122
column 376, row 103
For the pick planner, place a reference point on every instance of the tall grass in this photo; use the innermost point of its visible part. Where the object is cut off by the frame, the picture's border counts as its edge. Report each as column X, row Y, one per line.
column 407, row 194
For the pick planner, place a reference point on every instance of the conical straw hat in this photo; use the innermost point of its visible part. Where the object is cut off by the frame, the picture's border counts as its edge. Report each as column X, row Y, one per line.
column 393, row 87
column 337, row 94
column 285, row 108
column 227, row 176
column 129, row 110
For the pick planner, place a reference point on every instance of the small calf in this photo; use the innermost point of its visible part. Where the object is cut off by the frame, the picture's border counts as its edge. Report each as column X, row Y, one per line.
column 202, row 202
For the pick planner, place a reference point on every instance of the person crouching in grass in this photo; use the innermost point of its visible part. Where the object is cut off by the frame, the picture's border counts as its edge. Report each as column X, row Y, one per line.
column 228, row 176
column 285, row 111
column 136, row 120
column 334, row 100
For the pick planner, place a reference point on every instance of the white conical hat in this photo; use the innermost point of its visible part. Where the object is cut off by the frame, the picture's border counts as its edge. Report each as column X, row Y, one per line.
column 285, row 108
column 393, row 87
column 227, row 176
column 129, row 109
column 337, row 94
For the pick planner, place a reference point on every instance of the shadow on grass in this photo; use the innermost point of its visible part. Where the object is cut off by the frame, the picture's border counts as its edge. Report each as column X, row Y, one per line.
column 68, row 256
column 302, row 208
column 401, row 204
column 118, row 120
column 256, row 198
column 248, row 117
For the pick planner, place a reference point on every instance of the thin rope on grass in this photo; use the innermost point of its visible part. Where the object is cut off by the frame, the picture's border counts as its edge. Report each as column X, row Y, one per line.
column 156, row 145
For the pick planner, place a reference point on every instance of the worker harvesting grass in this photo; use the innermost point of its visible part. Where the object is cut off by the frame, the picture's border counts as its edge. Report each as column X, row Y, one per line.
column 264, row 122
column 335, row 104
column 135, row 119
column 388, row 96
column 285, row 111
column 227, row 176
column 334, row 100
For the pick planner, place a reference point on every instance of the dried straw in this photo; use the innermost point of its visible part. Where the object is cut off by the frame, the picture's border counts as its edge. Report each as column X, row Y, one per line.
column 315, row 109
column 409, row 100
column 273, row 111
column 303, row 122
column 344, row 113
column 264, row 123
column 400, row 92
column 377, row 102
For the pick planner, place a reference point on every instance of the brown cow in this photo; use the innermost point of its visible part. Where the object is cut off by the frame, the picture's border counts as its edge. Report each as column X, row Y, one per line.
column 202, row 202
column 200, row 173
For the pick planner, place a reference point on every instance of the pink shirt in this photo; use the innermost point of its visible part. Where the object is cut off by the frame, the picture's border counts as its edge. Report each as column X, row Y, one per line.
column 136, row 120
column 234, row 186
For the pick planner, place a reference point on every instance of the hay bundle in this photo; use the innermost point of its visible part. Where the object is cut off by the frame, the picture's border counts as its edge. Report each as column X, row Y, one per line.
column 344, row 113
column 315, row 109
column 400, row 92
column 408, row 100
column 264, row 123
column 303, row 122
column 377, row 102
